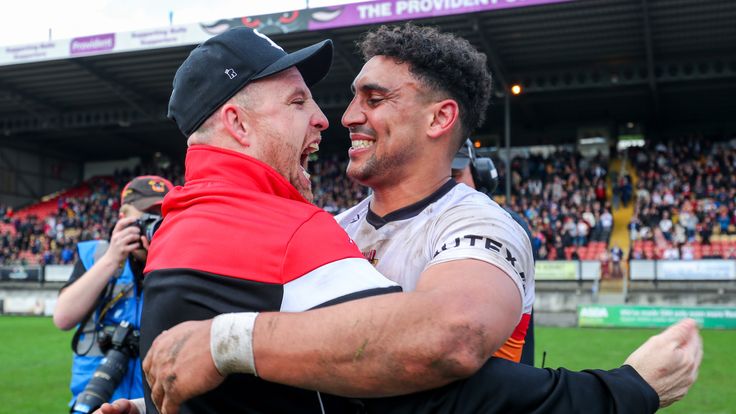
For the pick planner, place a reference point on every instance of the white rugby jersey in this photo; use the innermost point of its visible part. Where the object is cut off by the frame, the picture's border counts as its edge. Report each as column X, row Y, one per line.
column 454, row 223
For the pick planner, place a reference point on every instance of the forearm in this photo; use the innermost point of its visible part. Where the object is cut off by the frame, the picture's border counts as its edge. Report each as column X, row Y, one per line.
column 77, row 299
column 387, row 345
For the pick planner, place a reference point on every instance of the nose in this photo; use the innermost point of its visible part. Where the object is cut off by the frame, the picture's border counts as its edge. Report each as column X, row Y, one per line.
column 319, row 120
column 353, row 115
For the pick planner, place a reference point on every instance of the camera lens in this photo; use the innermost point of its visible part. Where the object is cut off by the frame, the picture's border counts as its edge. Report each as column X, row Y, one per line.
column 106, row 378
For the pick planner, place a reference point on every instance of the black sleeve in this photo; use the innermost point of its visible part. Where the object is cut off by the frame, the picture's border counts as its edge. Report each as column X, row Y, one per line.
column 502, row 386
column 77, row 272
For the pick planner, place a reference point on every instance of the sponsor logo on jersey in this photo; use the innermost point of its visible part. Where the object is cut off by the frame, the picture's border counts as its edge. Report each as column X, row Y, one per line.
column 370, row 255
column 471, row 240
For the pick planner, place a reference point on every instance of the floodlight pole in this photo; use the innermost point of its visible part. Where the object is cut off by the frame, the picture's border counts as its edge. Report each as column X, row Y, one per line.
column 507, row 133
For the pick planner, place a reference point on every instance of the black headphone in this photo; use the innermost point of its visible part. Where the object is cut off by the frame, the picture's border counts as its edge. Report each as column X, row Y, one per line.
column 483, row 170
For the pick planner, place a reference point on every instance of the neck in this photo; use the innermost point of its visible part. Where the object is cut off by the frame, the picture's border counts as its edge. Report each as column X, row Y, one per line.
column 405, row 193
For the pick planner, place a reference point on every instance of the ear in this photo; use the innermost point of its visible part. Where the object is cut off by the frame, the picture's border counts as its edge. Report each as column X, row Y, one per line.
column 234, row 120
column 445, row 115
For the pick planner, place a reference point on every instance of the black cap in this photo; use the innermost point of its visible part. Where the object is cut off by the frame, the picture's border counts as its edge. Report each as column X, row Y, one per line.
column 221, row 66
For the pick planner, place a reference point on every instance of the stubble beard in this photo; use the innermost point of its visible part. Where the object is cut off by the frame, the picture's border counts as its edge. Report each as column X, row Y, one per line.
column 284, row 157
column 374, row 168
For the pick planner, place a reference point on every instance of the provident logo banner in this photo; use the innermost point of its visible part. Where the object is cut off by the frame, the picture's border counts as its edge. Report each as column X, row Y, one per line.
column 312, row 19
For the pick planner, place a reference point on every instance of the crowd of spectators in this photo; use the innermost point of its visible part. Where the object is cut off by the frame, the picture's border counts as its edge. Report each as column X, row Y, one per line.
column 684, row 203
column 685, row 200
column 87, row 212
column 563, row 199
column 87, row 215
column 332, row 189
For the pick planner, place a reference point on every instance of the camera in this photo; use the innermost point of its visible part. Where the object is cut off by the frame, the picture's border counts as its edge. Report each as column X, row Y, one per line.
column 118, row 347
column 148, row 223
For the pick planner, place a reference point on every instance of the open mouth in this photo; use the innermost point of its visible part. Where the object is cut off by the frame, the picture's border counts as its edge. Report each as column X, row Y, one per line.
column 304, row 160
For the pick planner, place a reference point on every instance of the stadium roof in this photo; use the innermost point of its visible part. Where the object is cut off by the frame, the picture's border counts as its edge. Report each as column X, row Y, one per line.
column 587, row 62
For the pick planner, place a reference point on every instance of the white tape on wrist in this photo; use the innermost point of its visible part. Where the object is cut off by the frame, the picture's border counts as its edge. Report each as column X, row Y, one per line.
column 231, row 343
column 140, row 404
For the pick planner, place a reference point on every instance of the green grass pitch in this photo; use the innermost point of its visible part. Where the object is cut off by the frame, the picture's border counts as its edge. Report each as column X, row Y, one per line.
column 578, row 348
column 35, row 358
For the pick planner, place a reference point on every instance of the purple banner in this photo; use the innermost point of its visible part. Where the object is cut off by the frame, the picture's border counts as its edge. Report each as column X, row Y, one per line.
column 92, row 44
column 354, row 14
column 395, row 10
column 357, row 14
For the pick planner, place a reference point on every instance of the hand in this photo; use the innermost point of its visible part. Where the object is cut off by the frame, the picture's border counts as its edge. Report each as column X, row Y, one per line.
column 125, row 238
column 123, row 406
column 669, row 361
column 179, row 365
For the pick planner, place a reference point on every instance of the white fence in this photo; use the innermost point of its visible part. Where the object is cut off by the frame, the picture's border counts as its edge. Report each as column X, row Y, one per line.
column 545, row 270
column 683, row 270
column 640, row 270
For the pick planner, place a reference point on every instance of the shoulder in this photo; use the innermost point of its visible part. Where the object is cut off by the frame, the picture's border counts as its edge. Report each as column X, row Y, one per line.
column 319, row 240
column 463, row 204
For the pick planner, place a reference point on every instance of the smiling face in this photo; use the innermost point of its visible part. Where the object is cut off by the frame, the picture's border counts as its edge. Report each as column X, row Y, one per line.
column 388, row 114
column 286, row 124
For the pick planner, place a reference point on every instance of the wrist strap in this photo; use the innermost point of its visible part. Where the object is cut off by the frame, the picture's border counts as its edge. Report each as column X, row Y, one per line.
column 231, row 343
column 140, row 404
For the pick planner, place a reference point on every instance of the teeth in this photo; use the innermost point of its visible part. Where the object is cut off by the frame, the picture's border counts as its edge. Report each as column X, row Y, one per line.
column 362, row 143
column 314, row 147
column 306, row 174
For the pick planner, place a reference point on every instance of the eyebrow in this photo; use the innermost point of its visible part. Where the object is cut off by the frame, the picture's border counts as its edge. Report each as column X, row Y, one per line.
column 370, row 87
column 298, row 92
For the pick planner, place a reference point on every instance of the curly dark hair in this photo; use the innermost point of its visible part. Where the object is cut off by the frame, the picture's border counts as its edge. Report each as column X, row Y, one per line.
column 442, row 61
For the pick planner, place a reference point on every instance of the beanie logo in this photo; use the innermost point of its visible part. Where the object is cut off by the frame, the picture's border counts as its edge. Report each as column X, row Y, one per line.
column 230, row 72
column 259, row 34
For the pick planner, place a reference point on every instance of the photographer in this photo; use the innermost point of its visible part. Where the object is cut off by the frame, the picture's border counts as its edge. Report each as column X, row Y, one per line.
column 103, row 297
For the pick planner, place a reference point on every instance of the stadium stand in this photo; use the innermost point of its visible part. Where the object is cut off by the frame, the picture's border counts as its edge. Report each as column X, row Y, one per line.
column 47, row 232
column 563, row 199
column 332, row 190
column 684, row 207
column 685, row 200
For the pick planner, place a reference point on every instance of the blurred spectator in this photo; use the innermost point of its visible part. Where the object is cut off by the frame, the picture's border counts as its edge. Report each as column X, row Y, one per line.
column 617, row 256
column 687, row 252
column 606, row 225
column 666, row 225
column 605, row 260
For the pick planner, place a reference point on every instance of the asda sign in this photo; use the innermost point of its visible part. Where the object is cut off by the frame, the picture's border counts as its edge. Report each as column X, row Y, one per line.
column 654, row 316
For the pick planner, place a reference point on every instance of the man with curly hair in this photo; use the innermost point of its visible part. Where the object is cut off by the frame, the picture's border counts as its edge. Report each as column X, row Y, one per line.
column 415, row 79
column 465, row 266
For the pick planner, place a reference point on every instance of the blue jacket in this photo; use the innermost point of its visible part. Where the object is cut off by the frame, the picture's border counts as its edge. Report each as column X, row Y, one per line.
column 126, row 309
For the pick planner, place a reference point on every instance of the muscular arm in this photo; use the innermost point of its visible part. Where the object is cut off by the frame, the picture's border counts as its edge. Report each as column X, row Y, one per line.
column 393, row 344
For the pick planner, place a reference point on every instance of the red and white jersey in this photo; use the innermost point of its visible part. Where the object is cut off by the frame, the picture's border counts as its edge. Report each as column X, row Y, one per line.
column 454, row 223
column 238, row 237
